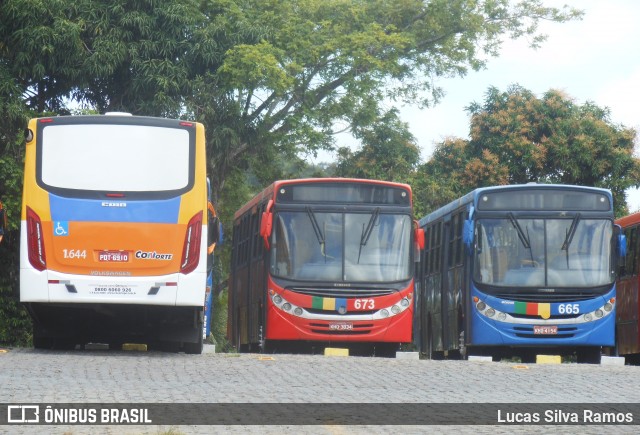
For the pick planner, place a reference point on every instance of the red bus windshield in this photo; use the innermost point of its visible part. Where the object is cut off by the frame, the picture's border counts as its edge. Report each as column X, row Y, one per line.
column 335, row 246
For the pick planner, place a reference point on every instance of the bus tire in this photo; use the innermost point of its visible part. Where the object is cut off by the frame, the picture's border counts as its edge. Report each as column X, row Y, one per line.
column 42, row 343
column 433, row 354
column 588, row 355
column 386, row 350
column 194, row 348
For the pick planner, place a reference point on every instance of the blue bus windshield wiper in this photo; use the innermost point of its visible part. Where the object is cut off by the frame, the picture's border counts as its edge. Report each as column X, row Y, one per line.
column 569, row 237
column 570, row 233
column 521, row 235
column 524, row 238
column 366, row 232
column 316, row 230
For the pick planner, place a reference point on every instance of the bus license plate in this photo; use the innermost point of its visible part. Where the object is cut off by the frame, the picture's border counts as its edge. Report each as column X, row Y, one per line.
column 113, row 256
column 342, row 326
column 545, row 330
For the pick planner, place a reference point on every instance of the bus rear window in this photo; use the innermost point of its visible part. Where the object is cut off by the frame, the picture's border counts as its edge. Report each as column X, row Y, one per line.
column 112, row 157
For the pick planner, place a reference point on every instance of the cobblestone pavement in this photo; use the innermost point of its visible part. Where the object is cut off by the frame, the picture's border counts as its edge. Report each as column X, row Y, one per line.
column 31, row 376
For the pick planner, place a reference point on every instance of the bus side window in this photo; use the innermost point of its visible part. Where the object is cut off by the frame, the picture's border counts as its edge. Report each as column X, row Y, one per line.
column 628, row 265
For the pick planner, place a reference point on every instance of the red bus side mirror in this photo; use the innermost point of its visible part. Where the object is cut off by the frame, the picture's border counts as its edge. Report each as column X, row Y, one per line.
column 266, row 224
column 419, row 237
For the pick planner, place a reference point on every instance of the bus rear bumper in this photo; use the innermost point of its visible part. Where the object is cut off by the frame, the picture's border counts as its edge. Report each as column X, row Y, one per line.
column 55, row 287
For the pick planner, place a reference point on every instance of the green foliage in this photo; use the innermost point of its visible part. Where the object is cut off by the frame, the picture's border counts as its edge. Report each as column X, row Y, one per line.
column 15, row 324
column 219, row 322
column 517, row 137
column 389, row 152
column 285, row 71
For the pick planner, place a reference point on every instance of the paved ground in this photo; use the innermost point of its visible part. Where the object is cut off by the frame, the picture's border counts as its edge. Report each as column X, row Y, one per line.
column 55, row 377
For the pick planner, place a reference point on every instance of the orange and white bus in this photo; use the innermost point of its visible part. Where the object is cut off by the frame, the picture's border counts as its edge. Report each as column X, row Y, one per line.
column 321, row 262
column 114, row 231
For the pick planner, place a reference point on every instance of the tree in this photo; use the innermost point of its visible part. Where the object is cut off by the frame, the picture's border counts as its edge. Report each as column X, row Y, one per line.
column 268, row 78
column 517, row 137
column 293, row 69
column 388, row 153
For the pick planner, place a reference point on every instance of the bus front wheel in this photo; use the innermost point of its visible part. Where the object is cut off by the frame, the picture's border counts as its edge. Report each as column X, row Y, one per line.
column 588, row 355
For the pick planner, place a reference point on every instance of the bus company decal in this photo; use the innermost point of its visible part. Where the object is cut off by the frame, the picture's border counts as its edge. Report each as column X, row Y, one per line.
column 533, row 308
column 328, row 304
column 153, row 255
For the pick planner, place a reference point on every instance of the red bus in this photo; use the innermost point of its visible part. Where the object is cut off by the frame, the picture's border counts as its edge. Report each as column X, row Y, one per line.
column 323, row 261
column 628, row 304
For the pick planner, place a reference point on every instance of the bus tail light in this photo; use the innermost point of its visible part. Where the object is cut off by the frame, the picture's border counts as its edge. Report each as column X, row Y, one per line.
column 35, row 241
column 191, row 249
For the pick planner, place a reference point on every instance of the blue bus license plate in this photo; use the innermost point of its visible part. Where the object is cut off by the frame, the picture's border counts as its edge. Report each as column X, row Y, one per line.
column 545, row 330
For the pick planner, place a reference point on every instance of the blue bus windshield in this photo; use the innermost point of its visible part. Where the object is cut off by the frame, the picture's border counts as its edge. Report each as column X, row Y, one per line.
column 570, row 252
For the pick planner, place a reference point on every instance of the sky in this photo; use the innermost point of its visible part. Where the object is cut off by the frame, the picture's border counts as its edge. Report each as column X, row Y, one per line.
column 595, row 59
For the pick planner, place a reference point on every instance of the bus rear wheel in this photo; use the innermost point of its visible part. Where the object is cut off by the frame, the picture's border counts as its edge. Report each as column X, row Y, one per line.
column 194, row 348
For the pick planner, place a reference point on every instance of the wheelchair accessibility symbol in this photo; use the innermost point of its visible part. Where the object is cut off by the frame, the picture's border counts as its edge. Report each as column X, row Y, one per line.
column 61, row 228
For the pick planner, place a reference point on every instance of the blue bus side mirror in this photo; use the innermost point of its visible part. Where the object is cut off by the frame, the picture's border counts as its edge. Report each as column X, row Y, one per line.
column 622, row 245
column 467, row 235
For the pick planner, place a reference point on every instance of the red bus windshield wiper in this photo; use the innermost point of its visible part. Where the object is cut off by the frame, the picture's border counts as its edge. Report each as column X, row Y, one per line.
column 317, row 231
column 366, row 233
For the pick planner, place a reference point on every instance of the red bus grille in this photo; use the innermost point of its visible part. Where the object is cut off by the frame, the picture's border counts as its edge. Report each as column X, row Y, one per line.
column 319, row 311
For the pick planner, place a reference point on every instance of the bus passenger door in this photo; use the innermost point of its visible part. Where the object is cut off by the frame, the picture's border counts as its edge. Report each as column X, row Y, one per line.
column 441, row 292
column 452, row 281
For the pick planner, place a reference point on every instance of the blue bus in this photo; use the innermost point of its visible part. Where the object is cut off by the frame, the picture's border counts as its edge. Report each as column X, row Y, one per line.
column 519, row 270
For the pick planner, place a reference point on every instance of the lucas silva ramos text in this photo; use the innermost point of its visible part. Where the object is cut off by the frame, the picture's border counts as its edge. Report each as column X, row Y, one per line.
column 586, row 416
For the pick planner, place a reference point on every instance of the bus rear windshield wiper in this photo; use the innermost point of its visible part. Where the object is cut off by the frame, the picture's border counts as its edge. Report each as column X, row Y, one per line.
column 366, row 232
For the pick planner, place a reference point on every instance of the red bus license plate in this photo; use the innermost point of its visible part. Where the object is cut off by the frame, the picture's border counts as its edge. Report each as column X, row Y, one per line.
column 113, row 256
column 342, row 326
column 545, row 330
